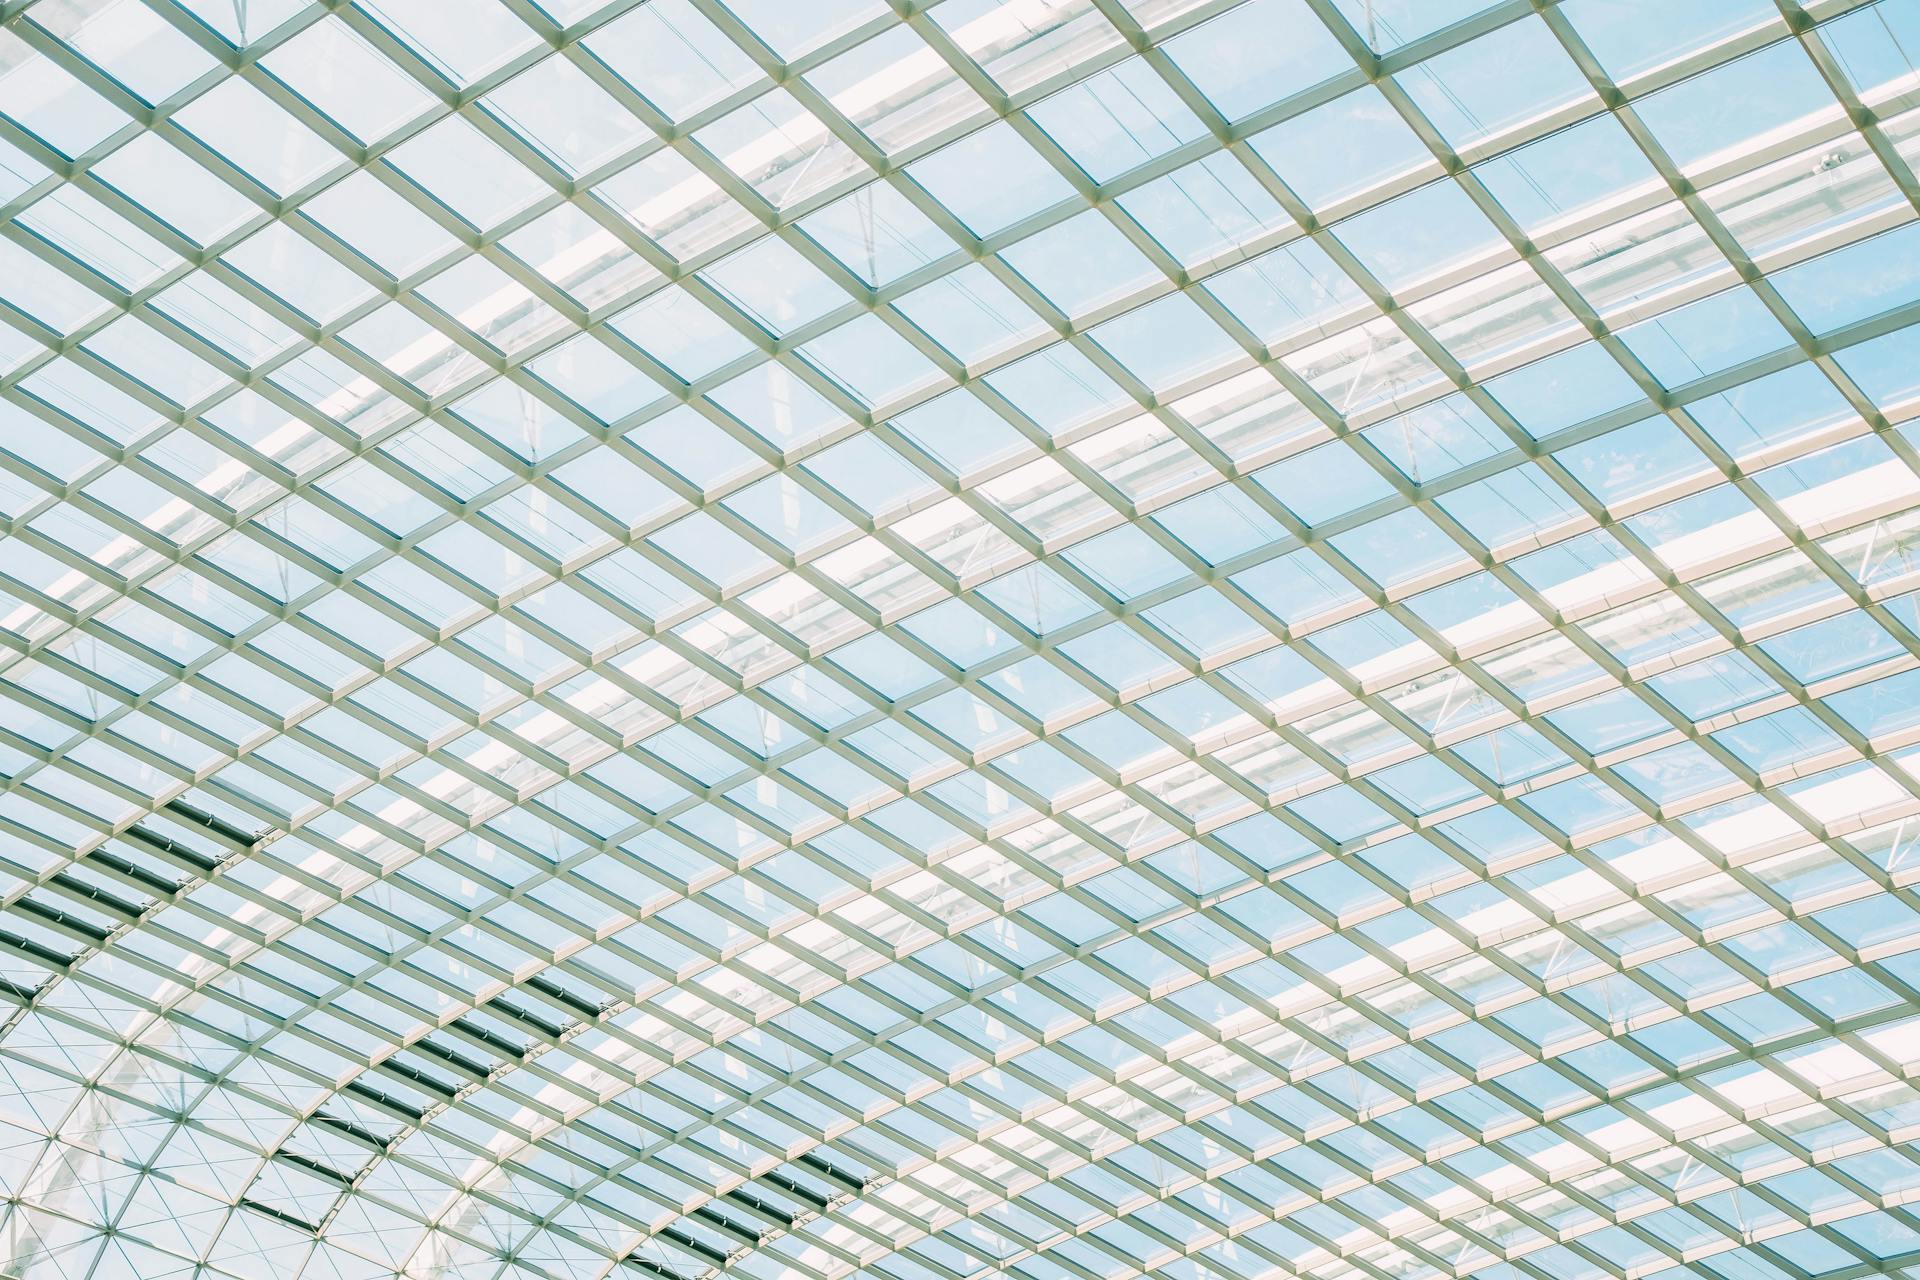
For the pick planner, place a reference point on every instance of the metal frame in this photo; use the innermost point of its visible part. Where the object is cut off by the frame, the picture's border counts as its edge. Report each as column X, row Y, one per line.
column 941, row 1008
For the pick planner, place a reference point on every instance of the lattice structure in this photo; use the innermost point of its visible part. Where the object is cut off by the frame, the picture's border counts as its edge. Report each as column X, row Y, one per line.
column 1049, row 639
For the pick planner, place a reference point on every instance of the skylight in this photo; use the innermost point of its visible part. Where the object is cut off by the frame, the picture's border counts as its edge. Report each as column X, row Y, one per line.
column 959, row 639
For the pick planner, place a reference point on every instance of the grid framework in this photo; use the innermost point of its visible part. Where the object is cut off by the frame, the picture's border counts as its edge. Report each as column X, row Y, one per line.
column 1062, row 638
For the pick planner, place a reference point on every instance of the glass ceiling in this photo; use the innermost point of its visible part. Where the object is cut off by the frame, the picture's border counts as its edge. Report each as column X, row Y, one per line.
column 1047, row 639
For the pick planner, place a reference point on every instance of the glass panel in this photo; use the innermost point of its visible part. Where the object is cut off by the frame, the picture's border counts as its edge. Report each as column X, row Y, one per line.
column 854, row 641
